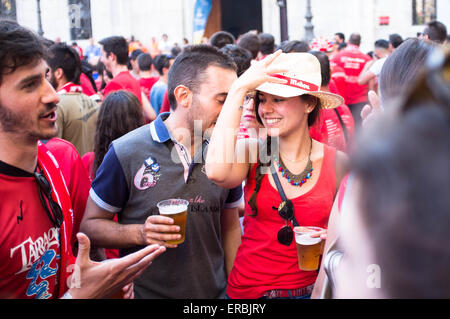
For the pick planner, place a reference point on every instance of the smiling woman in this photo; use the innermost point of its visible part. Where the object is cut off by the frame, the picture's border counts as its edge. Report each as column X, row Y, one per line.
column 305, row 172
column 297, row 111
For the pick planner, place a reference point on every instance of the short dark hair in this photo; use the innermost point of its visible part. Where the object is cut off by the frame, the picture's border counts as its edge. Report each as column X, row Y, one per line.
column 144, row 61
column 402, row 67
column 189, row 66
column 342, row 46
column 175, row 50
column 295, row 46
column 436, row 31
column 47, row 42
column 64, row 57
column 395, row 40
column 355, row 39
column 267, row 43
column 340, row 35
column 242, row 57
column 118, row 46
column 383, row 44
column 250, row 41
column 221, row 39
column 161, row 61
column 19, row 47
column 324, row 66
column 134, row 55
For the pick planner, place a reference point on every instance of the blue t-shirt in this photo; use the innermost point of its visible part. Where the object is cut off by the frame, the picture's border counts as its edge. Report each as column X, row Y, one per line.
column 92, row 51
column 157, row 96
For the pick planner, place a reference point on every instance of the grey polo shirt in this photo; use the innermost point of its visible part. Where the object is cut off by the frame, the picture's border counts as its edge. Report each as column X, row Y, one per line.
column 146, row 166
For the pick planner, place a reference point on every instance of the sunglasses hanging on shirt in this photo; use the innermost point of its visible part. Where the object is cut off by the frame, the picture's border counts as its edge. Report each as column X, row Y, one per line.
column 55, row 213
column 286, row 211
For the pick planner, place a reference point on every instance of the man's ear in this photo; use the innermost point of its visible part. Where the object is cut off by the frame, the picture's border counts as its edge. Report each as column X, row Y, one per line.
column 425, row 36
column 59, row 74
column 112, row 56
column 183, row 96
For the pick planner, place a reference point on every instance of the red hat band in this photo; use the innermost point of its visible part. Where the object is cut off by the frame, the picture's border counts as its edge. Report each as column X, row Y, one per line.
column 299, row 84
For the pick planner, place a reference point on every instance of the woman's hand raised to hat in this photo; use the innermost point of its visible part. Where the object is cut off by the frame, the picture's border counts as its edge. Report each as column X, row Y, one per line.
column 259, row 73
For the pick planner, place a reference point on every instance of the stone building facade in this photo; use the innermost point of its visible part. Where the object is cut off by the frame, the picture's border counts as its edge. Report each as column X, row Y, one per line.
column 145, row 19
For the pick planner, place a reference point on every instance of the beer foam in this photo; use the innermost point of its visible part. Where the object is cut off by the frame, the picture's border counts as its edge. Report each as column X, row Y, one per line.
column 172, row 209
column 306, row 239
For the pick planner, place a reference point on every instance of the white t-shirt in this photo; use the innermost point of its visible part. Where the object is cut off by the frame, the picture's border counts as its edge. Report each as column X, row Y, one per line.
column 377, row 65
column 164, row 47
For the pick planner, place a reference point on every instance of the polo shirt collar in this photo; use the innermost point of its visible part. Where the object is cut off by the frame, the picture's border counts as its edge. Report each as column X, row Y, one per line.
column 158, row 129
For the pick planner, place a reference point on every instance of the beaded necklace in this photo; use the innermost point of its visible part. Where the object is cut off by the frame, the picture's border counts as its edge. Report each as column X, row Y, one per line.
column 295, row 179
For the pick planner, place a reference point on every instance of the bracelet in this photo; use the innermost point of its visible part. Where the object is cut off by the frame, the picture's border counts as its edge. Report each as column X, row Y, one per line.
column 67, row 295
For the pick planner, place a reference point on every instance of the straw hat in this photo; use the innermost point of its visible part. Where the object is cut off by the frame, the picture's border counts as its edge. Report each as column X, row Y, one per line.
column 303, row 77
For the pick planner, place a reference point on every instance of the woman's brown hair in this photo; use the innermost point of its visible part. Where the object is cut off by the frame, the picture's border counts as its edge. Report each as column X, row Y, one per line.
column 119, row 114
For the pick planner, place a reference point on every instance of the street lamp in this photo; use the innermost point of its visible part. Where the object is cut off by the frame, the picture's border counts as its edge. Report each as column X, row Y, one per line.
column 309, row 33
column 40, row 31
column 283, row 20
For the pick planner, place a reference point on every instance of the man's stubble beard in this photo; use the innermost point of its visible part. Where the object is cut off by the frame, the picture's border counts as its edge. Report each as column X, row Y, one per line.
column 17, row 124
column 198, row 114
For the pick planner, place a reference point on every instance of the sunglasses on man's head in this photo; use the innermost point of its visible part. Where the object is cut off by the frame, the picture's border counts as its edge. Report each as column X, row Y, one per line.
column 54, row 213
column 286, row 211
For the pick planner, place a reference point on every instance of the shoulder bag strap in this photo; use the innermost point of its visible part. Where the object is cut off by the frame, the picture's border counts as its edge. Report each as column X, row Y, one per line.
column 344, row 128
column 280, row 190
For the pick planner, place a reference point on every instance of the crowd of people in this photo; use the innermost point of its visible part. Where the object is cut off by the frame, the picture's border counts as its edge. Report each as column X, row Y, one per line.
column 258, row 137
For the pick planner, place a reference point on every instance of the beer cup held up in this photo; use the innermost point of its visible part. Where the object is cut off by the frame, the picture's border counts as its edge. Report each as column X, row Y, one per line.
column 309, row 249
column 177, row 210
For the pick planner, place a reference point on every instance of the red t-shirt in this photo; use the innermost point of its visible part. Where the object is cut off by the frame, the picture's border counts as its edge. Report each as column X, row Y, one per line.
column 147, row 84
column 75, row 175
column 165, row 107
column 124, row 81
column 352, row 61
column 86, row 85
column 30, row 245
column 262, row 263
column 88, row 162
column 338, row 81
column 328, row 128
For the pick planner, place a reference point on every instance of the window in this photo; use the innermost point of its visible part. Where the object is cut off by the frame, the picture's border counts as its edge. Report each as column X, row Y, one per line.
column 80, row 19
column 424, row 11
column 8, row 9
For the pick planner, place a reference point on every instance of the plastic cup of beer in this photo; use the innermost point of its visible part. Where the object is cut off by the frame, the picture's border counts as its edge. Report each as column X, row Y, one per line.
column 309, row 249
column 177, row 210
